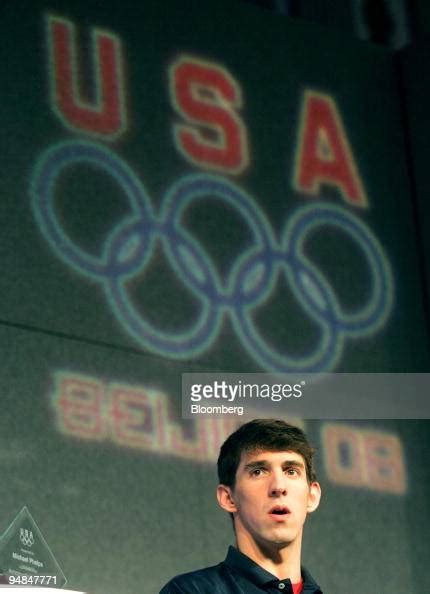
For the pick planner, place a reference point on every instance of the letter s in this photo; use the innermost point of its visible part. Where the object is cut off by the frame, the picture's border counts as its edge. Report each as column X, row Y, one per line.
column 207, row 97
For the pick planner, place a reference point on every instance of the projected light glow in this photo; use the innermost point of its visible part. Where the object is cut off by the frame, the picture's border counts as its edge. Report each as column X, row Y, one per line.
column 324, row 155
column 363, row 458
column 138, row 417
column 251, row 278
column 212, row 136
column 204, row 93
column 106, row 116
column 132, row 416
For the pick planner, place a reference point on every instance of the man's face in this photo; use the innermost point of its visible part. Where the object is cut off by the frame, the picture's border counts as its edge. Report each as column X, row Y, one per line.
column 271, row 498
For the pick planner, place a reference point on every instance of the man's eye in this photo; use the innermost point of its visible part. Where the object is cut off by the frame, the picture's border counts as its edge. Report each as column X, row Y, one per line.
column 292, row 471
column 257, row 472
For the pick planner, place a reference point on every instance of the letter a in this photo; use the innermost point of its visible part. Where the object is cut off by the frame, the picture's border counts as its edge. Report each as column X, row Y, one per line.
column 324, row 155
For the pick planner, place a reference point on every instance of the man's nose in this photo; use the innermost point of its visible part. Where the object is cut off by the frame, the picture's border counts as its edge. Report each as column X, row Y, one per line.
column 278, row 485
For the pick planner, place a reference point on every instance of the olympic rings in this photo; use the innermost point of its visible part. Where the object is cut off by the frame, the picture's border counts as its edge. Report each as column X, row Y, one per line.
column 250, row 280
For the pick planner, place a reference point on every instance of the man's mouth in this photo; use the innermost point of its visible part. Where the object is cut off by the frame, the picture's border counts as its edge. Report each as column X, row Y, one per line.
column 279, row 512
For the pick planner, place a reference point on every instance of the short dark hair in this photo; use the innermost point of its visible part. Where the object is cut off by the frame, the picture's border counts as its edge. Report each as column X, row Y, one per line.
column 258, row 435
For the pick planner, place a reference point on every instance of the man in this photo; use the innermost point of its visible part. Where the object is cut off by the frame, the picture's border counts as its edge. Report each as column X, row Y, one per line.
column 268, row 485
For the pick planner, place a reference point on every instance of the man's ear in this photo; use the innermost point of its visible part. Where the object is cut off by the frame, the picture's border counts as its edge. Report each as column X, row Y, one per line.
column 225, row 498
column 314, row 496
